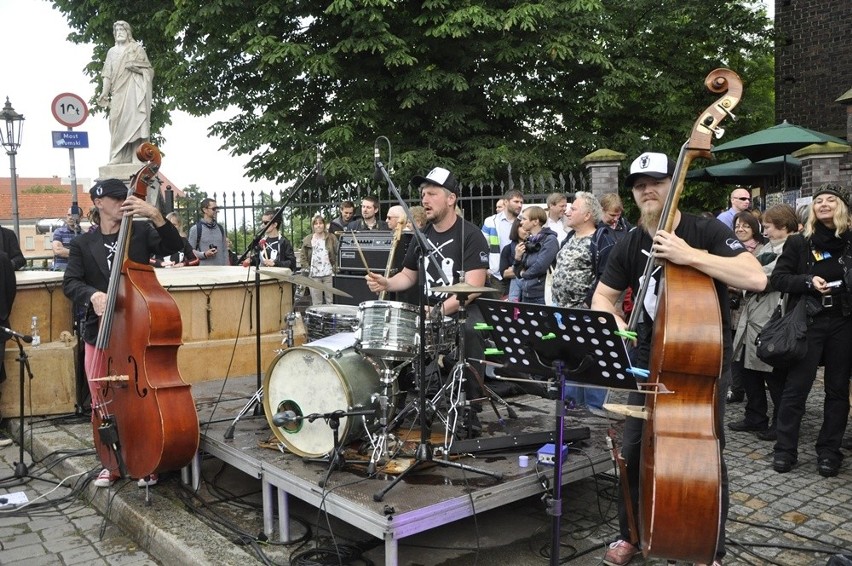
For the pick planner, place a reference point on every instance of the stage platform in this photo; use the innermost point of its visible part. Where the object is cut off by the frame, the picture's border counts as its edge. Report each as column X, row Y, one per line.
column 431, row 496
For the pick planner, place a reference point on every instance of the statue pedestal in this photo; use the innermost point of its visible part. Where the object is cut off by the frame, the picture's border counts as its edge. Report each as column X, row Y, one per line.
column 121, row 171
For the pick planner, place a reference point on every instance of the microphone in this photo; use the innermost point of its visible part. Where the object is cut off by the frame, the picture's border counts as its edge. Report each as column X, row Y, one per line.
column 24, row 337
column 377, row 172
column 320, row 177
column 285, row 417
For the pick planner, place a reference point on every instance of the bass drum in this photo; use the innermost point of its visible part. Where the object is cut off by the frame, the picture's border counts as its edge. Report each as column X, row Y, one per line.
column 320, row 377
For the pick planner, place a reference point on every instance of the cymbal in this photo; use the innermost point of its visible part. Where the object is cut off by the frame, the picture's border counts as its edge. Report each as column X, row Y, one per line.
column 304, row 281
column 463, row 288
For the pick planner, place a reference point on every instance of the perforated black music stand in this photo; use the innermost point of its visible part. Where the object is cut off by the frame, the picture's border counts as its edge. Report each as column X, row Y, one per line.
column 576, row 344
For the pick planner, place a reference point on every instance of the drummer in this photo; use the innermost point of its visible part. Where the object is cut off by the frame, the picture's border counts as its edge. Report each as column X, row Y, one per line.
column 458, row 245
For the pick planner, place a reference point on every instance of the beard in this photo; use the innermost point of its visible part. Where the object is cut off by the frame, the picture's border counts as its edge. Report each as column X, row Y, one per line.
column 649, row 217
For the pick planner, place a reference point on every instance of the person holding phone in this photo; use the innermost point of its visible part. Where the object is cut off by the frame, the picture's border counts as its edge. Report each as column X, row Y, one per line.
column 207, row 236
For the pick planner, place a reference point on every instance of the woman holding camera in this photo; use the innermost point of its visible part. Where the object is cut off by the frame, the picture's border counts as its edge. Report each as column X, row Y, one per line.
column 815, row 267
column 534, row 256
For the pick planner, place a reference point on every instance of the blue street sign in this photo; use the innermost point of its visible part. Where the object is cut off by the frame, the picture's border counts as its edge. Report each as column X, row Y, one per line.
column 69, row 140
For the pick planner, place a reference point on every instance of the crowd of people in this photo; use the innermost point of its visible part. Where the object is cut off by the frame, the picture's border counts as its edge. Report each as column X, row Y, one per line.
column 574, row 251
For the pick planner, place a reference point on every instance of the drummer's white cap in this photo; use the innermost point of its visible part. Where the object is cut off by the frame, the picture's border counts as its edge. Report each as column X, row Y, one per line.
column 437, row 176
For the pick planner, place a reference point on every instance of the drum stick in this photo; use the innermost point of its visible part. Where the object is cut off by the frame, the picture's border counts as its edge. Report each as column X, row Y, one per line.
column 361, row 253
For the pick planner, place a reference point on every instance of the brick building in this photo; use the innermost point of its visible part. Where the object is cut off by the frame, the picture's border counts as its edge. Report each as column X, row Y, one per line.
column 813, row 63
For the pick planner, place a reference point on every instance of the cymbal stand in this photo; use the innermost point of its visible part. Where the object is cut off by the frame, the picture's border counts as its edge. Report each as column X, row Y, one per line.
column 255, row 401
column 457, row 397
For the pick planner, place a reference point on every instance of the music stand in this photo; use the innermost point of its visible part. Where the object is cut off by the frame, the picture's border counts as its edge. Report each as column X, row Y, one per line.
column 559, row 343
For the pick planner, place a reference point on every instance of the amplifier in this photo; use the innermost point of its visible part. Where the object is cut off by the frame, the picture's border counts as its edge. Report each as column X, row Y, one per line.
column 355, row 285
column 376, row 246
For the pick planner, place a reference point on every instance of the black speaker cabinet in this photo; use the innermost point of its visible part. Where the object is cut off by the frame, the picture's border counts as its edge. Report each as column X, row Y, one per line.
column 376, row 246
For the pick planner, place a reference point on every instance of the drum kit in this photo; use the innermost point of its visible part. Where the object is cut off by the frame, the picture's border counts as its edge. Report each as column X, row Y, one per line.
column 315, row 394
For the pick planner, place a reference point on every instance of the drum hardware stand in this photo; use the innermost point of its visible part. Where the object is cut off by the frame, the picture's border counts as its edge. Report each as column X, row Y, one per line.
column 254, row 403
column 587, row 340
column 379, row 441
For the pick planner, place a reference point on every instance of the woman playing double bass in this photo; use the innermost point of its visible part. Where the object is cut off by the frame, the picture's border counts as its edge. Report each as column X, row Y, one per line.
column 727, row 263
column 91, row 257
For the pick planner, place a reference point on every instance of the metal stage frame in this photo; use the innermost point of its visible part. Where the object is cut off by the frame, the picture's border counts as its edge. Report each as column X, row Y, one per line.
column 429, row 498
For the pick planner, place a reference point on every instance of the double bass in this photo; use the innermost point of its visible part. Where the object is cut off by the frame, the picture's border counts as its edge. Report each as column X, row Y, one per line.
column 680, row 490
column 143, row 414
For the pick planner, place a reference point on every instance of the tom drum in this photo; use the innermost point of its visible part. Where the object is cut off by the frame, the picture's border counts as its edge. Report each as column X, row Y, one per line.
column 387, row 330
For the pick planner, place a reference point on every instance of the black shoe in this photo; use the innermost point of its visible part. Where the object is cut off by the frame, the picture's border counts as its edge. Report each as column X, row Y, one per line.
column 783, row 465
column 735, row 396
column 768, row 434
column 743, row 426
column 828, row 467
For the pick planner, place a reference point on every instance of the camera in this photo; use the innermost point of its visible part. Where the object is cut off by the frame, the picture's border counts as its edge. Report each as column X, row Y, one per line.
column 212, row 247
column 533, row 246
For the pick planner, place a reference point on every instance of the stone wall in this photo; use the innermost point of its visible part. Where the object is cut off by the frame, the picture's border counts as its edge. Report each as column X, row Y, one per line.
column 813, row 63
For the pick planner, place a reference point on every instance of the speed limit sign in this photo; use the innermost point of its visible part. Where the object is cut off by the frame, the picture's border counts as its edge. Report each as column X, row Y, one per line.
column 69, row 109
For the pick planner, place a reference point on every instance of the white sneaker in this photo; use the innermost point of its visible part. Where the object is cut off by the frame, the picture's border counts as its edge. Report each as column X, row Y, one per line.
column 149, row 481
column 4, row 440
column 105, row 478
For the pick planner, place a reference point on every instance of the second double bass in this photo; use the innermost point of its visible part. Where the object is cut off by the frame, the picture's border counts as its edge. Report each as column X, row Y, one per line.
column 673, row 458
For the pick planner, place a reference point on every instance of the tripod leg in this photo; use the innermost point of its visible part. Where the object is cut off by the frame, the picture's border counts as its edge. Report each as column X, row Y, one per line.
column 254, row 401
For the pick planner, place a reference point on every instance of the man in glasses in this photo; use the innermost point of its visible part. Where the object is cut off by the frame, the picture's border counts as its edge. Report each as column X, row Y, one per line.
column 740, row 201
column 207, row 236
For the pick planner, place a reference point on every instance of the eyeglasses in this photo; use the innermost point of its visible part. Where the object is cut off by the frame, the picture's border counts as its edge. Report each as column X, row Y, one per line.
column 742, row 198
column 213, row 208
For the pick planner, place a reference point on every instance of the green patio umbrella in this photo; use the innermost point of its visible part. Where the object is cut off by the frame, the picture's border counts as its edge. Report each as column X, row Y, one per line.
column 745, row 171
column 776, row 141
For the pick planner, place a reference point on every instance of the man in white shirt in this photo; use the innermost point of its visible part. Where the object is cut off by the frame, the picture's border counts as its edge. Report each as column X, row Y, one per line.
column 557, row 204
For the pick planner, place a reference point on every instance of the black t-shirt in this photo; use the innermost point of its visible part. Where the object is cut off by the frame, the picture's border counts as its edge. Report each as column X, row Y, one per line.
column 626, row 265
column 449, row 253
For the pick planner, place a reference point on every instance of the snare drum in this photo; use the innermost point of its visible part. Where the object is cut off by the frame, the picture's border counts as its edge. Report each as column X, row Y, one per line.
column 440, row 335
column 387, row 329
column 322, row 321
column 320, row 377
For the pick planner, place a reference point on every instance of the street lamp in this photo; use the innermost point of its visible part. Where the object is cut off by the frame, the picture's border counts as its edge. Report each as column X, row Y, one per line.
column 12, row 141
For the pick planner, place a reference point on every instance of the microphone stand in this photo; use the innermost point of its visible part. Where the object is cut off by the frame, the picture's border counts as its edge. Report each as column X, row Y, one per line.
column 21, row 470
column 255, row 402
column 424, row 453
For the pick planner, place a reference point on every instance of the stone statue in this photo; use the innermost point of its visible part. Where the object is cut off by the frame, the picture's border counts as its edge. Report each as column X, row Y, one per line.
column 127, row 85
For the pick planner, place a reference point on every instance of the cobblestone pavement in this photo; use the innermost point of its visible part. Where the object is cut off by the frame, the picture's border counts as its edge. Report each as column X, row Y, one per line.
column 793, row 519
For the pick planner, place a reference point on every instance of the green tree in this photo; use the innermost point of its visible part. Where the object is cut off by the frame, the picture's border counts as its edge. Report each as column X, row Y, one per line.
column 473, row 84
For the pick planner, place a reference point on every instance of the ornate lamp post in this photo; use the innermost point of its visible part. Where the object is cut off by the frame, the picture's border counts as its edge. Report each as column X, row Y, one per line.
column 11, row 140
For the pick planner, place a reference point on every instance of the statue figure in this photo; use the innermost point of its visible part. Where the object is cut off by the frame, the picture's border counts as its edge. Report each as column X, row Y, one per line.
column 126, row 90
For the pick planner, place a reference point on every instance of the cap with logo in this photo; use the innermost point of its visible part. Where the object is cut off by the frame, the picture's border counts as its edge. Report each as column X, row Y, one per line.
column 437, row 176
column 656, row 165
column 109, row 188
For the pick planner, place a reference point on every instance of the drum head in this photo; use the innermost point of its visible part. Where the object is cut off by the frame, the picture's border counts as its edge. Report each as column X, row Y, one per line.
column 315, row 380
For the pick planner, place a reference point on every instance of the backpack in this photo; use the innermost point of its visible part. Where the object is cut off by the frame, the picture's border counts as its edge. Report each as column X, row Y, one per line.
column 198, row 226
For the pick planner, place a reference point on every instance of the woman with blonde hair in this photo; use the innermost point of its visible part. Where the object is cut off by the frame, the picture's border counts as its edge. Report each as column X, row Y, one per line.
column 815, row 267
column 317, row 258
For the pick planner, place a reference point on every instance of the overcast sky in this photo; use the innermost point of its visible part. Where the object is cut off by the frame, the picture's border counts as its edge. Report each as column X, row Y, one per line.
column 39, row 64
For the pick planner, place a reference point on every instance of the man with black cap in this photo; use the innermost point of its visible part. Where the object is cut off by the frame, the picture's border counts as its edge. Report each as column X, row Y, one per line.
column 728, row 263
column 90, row 259
column 458, row 246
